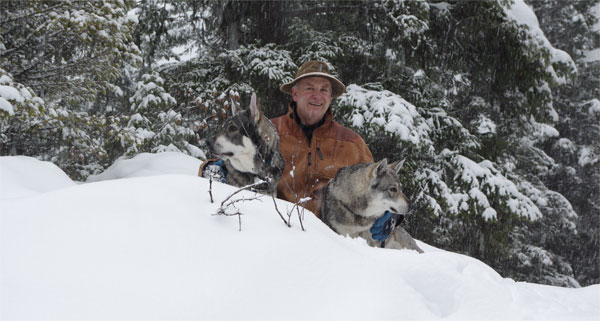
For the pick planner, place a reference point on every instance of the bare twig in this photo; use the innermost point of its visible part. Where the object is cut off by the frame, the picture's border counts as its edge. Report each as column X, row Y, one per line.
column 301, row 217
column 247, row 187
column 227, row 202
column 239, row 215
column 232, row 202
column 297, row 204
column 278, row 212
column 301, row 212
column 210, row 188
column 223, row 209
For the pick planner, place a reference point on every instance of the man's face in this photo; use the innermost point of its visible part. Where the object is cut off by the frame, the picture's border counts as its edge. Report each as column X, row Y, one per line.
column 313, row 97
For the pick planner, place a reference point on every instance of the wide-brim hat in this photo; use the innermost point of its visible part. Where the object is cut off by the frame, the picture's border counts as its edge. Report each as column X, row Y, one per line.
column 315, row 68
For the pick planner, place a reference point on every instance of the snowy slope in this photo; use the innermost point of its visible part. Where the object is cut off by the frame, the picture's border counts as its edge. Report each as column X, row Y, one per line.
column 149, row 247
column 24, row 176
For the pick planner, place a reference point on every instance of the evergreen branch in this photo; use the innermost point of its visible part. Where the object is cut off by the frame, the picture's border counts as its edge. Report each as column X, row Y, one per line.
column 332, row 9
column 26, row 40
column 48, row 73
column 61, row 3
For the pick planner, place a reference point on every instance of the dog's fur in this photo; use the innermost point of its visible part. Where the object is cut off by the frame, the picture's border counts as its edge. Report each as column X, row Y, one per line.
column 249, row 145
column 361, row 193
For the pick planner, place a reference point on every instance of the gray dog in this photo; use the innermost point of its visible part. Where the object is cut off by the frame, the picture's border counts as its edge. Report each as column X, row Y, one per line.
column 360, row 194
column 249, row 145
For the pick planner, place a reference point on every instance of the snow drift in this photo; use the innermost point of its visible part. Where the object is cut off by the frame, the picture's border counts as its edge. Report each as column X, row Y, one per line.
column 149, row 247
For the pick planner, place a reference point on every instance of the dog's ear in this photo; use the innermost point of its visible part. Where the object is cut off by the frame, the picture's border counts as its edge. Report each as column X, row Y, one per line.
column 379, row 169
column 397, row 166
column 382, row 167
column 254, row 110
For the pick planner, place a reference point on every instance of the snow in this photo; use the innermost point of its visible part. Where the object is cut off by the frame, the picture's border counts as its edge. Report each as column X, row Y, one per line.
column 566, row 145
column 183, row 53
column 484, row 176
column 540, row 132
column 591, row 56
column 586, row 156
column 5, row 79
column 136, row 118
column 195, row 151
column 10, row 93
column 147, row 246
column 595, row 10
column 489, row 214
column 22, row 176
column 386, row 109
column 521, row 13
column 594, row 107
column 485, row 125
column 442, row 6
column 6, row 106
column 146, row 164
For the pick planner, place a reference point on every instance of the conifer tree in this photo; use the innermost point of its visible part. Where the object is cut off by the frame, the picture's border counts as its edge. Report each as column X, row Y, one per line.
column 67, row 51
column 574, row 27
column 67, row 54
column 154, row 124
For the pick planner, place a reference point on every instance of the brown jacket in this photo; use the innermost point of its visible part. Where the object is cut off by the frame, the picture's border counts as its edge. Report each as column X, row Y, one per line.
column 314, row 164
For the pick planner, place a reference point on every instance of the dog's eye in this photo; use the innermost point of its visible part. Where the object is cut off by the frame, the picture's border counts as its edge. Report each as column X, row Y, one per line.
column 232, row 128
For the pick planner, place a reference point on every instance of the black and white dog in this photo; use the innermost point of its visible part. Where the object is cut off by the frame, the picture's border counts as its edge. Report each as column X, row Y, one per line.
column 248, row 145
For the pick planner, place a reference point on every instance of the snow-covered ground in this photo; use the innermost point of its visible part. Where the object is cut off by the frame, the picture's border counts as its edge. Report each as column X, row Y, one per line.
column 141, row 242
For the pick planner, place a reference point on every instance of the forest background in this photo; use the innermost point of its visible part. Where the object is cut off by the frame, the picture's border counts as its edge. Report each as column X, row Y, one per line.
column 493, row 104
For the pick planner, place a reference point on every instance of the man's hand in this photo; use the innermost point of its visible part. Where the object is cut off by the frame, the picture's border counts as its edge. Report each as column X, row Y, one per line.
column 384, row 225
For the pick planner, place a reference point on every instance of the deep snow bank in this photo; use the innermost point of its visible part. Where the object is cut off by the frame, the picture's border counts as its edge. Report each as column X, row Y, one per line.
column 146, row 164
column 151, row 248
column 25, row 176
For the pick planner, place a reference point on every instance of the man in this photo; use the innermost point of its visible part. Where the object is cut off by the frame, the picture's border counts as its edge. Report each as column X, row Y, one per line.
column 314, row 146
